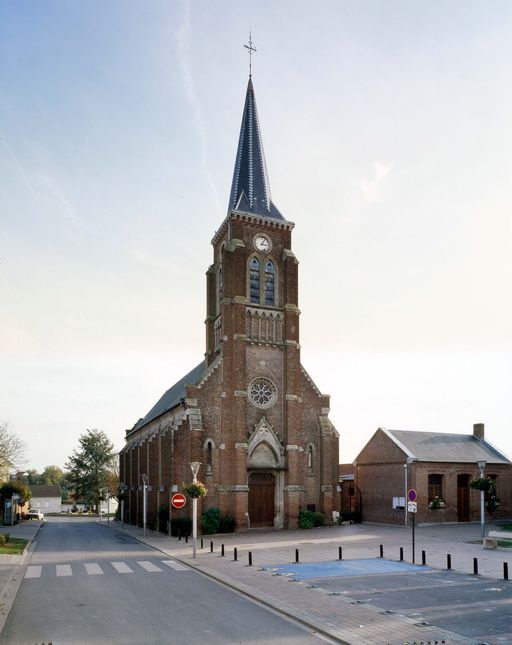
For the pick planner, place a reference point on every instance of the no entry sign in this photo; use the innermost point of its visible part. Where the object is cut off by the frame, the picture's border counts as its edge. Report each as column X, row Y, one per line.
column 178, row 500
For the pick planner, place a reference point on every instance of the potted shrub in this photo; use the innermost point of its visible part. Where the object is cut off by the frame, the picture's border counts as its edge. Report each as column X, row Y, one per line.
column 437, row 503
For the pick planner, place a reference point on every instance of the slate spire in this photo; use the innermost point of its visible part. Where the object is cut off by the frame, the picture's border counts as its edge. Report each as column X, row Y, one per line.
column 250, row 190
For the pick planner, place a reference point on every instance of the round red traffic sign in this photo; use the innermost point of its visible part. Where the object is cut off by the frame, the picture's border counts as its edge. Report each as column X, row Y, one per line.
column 412, row 495
column 178, row 500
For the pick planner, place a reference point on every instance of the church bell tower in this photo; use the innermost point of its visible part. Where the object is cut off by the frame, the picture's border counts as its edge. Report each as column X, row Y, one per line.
column 252, row 329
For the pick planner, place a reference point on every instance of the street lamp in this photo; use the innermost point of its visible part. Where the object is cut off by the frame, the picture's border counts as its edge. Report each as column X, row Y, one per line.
column 122, row 490
column 481, row 466
column 145, row 479
column 194, row 467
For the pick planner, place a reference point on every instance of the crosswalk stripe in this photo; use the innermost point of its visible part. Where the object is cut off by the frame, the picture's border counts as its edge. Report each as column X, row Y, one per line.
column 93, row 569
column 149, row 566
column 63, row 570
column 33, row 571
column 175, row 565
column 121, row 567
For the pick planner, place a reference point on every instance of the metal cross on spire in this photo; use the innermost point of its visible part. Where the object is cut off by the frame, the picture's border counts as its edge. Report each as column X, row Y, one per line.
column 250, row 49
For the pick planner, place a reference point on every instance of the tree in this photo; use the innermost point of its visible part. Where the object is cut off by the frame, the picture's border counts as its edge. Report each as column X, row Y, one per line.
column 12, row 449
column 89, row 466
column 112, row 480
column 52, row 476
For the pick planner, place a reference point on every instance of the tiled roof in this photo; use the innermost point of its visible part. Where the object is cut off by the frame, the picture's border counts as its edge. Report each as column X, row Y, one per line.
column 44, row 490
column 250, row 189
column 445, row 447
column 172, row 397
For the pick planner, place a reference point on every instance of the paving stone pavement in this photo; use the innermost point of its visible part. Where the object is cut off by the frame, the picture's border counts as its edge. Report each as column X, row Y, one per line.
column 341, row 618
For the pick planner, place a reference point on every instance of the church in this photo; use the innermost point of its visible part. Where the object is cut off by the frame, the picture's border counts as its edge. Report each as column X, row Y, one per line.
column 249, row 412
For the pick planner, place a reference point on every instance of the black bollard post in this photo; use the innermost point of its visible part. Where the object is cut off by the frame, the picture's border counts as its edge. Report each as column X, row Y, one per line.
column 202, row 545
column 401, row 554
column 505, row 571
column 211, row 546
column 475, row 566
column 448, row 561
column 179, row 535
column 423, row 558
column 186, row 538
column 381, row 549
column 221, row 550
column 296, row 555
column 250, row 559
column 235, row 554
column 340, row 553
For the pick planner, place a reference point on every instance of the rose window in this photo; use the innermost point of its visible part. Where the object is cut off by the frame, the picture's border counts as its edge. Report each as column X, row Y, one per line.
column 262, row 393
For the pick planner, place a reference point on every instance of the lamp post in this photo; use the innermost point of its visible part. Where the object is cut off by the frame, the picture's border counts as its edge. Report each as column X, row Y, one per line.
column 122, row 490
column 145, row 479
column 194, row 466
column 481, row 466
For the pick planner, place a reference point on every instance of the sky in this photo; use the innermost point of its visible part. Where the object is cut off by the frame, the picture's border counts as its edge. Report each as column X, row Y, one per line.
column 388, row 139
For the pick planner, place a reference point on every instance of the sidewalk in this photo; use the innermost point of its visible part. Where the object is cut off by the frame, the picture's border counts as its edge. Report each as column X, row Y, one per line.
column 335, row 616
column 11, row 569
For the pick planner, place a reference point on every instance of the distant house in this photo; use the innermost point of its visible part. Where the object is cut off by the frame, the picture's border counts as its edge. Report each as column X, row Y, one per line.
column 45, row 498
column 439, row 467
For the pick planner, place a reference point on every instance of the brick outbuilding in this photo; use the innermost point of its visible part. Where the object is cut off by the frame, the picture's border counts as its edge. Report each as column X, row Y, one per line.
column 249, row 412
column 439, row 467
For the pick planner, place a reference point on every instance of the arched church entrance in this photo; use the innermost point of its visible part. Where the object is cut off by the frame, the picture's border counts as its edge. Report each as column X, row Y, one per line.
column 261, row 499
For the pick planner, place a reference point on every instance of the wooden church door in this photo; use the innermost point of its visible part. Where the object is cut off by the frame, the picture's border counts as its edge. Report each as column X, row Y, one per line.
column 261, row 499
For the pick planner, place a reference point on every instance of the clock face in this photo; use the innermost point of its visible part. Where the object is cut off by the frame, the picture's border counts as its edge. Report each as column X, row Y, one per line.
column 262, row 243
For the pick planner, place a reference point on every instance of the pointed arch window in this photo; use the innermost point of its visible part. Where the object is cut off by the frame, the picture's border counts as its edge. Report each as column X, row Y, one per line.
column 310, row 458
column 254, row 280
column 270, row 283
column 221, row 285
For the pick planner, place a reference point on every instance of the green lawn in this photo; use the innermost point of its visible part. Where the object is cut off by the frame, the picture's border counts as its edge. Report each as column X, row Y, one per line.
column 15, row 546
column 505, row 543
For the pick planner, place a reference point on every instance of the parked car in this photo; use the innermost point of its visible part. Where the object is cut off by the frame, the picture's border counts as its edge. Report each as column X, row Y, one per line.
column 35, row 514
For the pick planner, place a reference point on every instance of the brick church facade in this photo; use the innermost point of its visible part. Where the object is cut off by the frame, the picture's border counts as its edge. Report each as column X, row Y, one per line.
column 249, row 412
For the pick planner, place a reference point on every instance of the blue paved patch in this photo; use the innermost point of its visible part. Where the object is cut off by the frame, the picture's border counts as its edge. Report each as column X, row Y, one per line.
column 334, row 568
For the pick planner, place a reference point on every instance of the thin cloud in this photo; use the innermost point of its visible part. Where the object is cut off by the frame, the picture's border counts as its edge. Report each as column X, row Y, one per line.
column 370, row 187
column 184, row 38
column 18, row 165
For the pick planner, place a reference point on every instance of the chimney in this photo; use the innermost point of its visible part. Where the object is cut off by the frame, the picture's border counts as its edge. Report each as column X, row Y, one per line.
column 479, row 431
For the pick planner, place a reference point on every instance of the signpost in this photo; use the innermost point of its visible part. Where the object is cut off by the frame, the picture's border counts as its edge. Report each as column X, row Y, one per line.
column 178, row 500
column 412, row 507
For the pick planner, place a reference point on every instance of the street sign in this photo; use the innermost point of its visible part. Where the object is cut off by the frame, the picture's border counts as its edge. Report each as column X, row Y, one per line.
column 412, row 507
column 178, row 500
column 411, row 495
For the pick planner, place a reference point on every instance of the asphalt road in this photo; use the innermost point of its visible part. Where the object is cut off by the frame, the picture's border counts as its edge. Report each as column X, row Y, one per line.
column 86, row 584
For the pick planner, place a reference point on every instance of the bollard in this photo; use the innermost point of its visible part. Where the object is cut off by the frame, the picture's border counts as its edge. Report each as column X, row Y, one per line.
column 423, row 558
column 401, row 554
column 235, row 554
column 202, row 545
column 296, row 555
column 186, row 539
column 211, row 546
column 475, row 566
column 221, row 550
column 448, row 561
column 250, row 559
column 179, row 535
column 381, row 551
column 505, row 571
column 340, row 553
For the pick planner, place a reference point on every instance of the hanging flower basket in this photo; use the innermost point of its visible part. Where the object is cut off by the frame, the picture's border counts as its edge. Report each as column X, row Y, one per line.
column 482, row 483
column 437, row 503
column 195, row 490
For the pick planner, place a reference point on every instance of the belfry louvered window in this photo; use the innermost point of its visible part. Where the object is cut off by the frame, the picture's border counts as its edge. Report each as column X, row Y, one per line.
column 270, row 275
column 254, row 280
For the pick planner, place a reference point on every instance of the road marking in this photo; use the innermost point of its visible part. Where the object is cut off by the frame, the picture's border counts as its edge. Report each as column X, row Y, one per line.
column 175, row 565
column 121, row 567
column 149, row 566
column 63, row 570
column 33, row 571
column 93, row 569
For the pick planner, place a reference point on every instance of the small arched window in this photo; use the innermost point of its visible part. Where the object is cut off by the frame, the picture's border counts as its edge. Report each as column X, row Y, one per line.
column 270, row 275
column 254, row 280
column 221, row 285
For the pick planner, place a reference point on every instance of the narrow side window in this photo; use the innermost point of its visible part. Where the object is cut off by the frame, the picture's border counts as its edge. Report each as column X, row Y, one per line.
column 254, row 280
column 270, row 274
